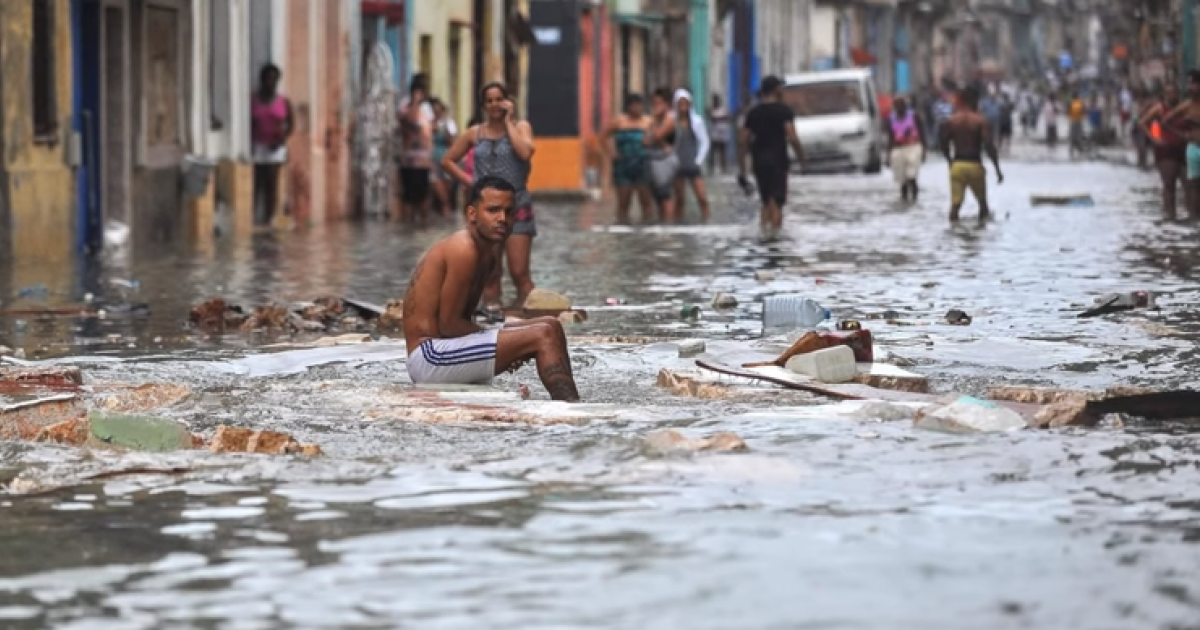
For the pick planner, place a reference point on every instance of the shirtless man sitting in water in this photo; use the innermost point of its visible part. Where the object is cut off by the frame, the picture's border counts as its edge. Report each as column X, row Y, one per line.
column 445, row 345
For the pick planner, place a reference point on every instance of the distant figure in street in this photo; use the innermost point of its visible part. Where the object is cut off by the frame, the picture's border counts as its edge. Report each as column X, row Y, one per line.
column 1184, row 121
column 444, row 133
column 691, row 149
column 1170, row 148
column 989, row 106
column 1006, row 124
column 420, row 81
column 416, row 156
column 1126, row 104
column 1050, row 115
column 271, row 125
column 768, row 130
column 906, row 147
column 964, row 140
column 720, row 130
column 1076, row 115
column 503, row 148
column 1028, row 110
column 623, row 142
column 660, row 151
column 445, row 345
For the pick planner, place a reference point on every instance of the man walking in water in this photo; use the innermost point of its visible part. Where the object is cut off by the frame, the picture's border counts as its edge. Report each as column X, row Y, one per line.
column 965, row 137
column 445, row 345
column 766, row 134
column 906, row 147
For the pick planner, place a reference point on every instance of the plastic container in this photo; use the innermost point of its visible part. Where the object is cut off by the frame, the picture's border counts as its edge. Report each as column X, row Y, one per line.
column 790, row 312
column 831, row 365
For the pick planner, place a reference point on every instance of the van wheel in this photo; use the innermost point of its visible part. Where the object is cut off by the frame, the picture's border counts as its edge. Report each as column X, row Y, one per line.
column 874, row 163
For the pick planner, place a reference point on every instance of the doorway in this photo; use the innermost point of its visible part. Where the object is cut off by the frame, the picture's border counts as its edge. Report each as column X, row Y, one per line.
column 104, row 119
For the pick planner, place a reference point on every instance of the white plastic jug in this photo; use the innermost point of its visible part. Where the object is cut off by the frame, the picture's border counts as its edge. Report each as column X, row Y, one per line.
column 831, row 365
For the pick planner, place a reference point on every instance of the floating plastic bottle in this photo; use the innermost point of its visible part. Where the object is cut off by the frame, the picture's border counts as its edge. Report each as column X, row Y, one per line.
column 783, row 313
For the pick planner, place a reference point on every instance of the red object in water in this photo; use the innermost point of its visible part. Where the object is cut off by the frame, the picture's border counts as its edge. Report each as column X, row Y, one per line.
column 859, row 341
column 820, row 281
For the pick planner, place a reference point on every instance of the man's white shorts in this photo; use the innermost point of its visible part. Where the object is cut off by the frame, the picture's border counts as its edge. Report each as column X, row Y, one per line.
column 906, row 162
column 469, row 360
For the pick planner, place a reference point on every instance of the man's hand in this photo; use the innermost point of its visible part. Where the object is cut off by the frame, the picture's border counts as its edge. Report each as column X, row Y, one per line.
column 744, row 182
column 999, row 177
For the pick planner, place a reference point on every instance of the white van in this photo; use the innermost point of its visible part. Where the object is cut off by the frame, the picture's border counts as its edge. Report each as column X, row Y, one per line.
column 837, row 119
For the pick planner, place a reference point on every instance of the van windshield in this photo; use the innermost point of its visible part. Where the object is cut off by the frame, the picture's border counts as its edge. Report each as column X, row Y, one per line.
column 825, row 98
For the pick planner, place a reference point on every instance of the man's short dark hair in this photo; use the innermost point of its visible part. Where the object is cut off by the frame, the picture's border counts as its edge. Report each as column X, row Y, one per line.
column 269, row 69
column 489, row 182
column 663, row 93
column 419, row 80
column 969, row 96
column 770, row 84
column 632, row 99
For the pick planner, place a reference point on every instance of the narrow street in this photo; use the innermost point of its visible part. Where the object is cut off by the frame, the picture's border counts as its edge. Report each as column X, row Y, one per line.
column 446, row 524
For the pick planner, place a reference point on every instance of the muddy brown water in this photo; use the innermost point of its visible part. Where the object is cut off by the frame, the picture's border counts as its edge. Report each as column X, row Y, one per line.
column 830, row 521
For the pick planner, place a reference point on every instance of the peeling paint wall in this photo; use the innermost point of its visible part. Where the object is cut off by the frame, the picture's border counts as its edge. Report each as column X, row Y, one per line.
column 441, row 44
column 37, row 192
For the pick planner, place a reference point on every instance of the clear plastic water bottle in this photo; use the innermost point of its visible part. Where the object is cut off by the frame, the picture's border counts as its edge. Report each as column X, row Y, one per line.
column 783, row 313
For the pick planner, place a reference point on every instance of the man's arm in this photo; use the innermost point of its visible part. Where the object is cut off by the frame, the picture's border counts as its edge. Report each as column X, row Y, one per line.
column 989, row 146
column 1143, row 123
column 460, row 261
column 790, row 129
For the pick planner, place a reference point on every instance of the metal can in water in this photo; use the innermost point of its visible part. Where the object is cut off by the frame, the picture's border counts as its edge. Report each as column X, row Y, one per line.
column 849, row 324
column 690, row 312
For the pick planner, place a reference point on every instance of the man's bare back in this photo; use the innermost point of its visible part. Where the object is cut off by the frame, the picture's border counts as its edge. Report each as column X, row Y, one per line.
column 445, row 345
column 965, row 131
column 428, row 291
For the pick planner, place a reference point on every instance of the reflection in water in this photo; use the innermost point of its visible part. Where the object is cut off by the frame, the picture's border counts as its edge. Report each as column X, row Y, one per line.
column 406, row 524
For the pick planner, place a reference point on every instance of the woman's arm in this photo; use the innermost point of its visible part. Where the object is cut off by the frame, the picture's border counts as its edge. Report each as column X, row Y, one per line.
column 659, row 133
column 520, row 133
column 456, row 153
column 702, row 140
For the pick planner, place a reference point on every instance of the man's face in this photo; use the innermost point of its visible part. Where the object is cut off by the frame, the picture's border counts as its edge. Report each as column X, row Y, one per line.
column 901, row 106
column 636, row 109
column 492, row 217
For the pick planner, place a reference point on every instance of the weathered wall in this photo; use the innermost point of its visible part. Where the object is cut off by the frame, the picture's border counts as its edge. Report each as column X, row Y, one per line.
column 441, row 45
column 37, row 193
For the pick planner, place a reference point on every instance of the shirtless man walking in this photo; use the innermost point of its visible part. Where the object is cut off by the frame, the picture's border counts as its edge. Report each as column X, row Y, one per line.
column 445, row 345
column 964, row 138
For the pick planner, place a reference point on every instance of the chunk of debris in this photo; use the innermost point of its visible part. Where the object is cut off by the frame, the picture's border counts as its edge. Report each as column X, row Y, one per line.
column 545, row 300
column 216, row 315
column 965, row 414
column 393, row 316
column 723, row 301
column 141, row 433
column 682, row 383
column 240, row 440
column 671, row 441
column 53, row 377
column 1069, row 412
column 1040, row 395
column 25, row 420
column 268, row 317
column 689, row 348
column 143, row 397
column 572, row 317
column 958, row 318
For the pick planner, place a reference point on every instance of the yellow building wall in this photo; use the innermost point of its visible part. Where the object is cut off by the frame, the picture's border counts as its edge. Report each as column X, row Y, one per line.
column 432, row 32
column 38, row 187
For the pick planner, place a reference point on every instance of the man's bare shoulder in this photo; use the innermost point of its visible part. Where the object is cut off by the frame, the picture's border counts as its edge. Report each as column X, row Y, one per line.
column 458, row 247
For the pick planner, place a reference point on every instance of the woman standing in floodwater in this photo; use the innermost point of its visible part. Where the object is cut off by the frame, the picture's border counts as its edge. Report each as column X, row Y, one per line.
column 660, row 151
column 271, row 125
column 623, row 141
column 503, row 148
column 1170, row 149
column 691, row 149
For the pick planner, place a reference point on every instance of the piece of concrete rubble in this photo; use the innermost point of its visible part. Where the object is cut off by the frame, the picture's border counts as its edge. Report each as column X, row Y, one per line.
column 722, row 301
column 1040, row 395
column 269, row 317
column 693, row 385
column 884, row 376
column 764, row 275
column 25, row 420
column 568, row 318
column 53, row 377
column 142, row 433
column 73, row 432
column 884, row 412
column 1070, row 412
column 689, row 348
column 393, row 316
column 5, row 351
column 964, row 414
column 545, row 300
column 142, row 397
column 671, row 441
column 241, row 440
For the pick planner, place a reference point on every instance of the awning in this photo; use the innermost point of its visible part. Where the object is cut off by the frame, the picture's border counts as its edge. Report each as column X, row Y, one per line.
column 392, row 11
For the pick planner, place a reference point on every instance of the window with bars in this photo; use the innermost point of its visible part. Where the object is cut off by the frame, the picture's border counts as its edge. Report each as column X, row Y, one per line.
column 45, row 107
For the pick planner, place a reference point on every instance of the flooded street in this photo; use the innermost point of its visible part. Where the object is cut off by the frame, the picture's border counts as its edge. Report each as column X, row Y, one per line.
column 833, row 519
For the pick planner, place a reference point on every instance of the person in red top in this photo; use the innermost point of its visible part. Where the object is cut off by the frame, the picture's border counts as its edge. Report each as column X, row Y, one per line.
column 271, row 125
column 1170, row 149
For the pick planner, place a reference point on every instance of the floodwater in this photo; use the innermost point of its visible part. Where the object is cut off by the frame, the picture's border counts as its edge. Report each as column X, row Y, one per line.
column 831, row 520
